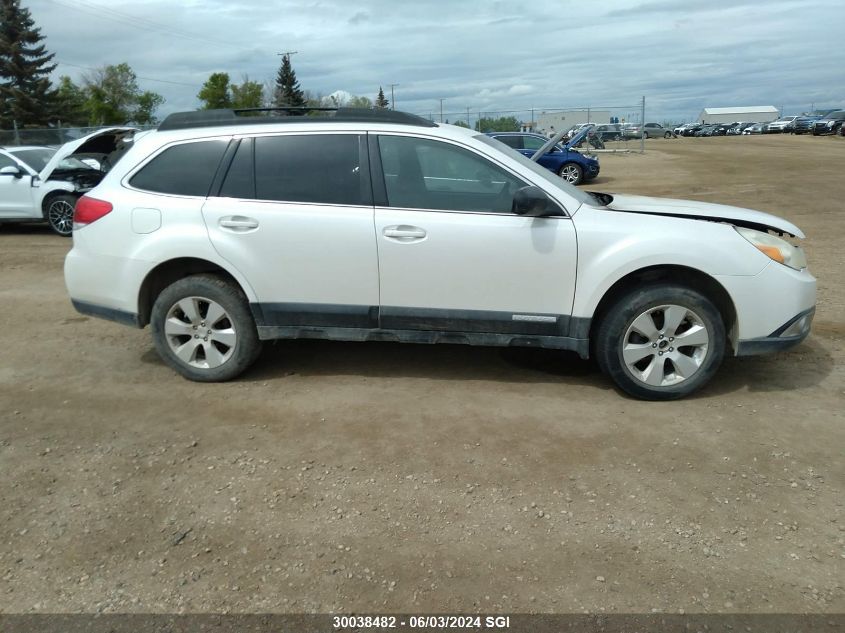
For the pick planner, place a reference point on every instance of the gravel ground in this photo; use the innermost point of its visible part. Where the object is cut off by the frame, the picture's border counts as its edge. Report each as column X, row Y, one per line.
column 378, row 477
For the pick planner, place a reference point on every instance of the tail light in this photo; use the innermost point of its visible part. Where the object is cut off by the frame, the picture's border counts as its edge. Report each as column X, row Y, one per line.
column 89, row 210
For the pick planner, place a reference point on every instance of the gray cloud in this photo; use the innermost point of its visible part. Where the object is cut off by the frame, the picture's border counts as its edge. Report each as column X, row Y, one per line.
column 502, row 55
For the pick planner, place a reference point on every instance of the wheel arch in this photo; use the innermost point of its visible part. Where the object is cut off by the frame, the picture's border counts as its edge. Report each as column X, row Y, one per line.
column 170, row 271
column 674, row 274
column 52, row 195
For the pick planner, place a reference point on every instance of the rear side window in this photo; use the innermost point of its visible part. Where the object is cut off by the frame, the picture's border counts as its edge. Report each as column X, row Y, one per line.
column 317, row 168
column 511, row 141
column 185, row 170
column 240, row 179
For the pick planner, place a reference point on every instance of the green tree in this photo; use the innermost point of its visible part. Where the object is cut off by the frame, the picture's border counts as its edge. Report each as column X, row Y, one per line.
column 70, row 103
column 115, row 98
column 215, row 92
column 501, row 124
column 460, row 123
column 250, row 94
column 288, row 92
column 359, row 102
column 25, row 66
column 148, row 102
column 381, row 101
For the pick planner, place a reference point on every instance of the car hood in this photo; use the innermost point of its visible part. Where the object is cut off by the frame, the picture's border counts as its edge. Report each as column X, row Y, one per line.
column 99, row 142
column 577, row 138
column 703, row 211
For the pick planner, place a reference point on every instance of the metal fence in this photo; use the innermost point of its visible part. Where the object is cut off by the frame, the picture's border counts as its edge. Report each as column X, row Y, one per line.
column 54, row 136
column 611, row 121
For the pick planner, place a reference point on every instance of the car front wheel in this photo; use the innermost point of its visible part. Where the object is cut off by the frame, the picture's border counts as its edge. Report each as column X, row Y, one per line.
column 660, row 342
column 571, row 173
column 667, row 135
column 59, row 213
column 202, row 327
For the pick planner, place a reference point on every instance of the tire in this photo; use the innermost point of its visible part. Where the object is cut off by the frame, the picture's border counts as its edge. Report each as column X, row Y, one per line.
column 178, row 318
column 571, row 173
column 637, row 323
column 667, row 135
column 58, row 211
column 645, row 134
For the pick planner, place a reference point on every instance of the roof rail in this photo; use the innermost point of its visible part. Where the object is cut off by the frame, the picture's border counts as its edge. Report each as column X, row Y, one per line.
column 254, row 116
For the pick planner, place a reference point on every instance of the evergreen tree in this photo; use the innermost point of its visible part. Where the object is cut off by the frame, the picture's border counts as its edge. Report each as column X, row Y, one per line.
column 288, row 92
column 381, row 102
column 25, row 92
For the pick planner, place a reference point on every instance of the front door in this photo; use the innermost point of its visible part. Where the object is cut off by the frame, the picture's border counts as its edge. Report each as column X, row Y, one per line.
column 452, row 256
column 16, row 194
column 294, row 216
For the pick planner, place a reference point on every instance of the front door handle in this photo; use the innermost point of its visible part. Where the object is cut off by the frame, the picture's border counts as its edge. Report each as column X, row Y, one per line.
column 238, row 223
column 404, row 233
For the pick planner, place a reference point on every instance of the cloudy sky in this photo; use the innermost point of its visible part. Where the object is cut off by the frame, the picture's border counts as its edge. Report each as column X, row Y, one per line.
column 488, row 55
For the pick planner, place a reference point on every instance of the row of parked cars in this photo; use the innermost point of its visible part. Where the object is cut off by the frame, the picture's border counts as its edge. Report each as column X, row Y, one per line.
column 623, row 131
column 830, row 123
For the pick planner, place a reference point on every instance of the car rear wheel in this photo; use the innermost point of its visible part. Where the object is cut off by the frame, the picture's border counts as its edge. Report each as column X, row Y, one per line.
column 202, row 327
column 660, row 342
column 59, row 213
column 645, row 134
column 571, row 173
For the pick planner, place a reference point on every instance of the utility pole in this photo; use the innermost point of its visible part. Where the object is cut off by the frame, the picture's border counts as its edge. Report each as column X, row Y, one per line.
column 287, row 54
column 468, row 125
column 392, row 98
column 441, row 110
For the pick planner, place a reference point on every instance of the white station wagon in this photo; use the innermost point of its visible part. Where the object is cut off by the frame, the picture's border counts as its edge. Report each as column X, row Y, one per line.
column 222, row 230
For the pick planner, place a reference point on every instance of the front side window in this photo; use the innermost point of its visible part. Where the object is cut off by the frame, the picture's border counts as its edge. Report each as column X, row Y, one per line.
column 5, row 161
column 315, row 168
column 184, row 170
column 425, row 174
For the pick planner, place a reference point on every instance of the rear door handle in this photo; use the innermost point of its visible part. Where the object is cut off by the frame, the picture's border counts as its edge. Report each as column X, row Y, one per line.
column 404, row 233
column 238, row 223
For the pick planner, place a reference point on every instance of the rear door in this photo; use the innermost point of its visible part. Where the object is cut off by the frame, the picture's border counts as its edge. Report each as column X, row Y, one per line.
column 294, row 215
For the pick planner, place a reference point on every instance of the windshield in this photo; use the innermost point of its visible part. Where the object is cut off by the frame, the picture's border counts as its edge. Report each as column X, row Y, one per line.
column 553, row 179
column 36, row 159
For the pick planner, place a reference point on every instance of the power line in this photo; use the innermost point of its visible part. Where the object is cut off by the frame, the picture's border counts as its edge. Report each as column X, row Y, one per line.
column 144, row 24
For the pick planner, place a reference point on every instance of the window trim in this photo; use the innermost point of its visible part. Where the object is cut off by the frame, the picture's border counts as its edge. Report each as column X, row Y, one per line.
column 379, row 180
column 125, row 181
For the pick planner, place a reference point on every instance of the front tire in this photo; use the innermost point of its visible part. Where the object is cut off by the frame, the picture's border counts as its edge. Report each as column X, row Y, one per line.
column 667, row 135
column 660, row 342
column 58, row 211
column 571, row 173
column 202, row 327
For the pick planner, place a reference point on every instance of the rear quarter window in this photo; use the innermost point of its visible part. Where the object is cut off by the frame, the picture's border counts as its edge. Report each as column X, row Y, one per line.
column 187, row 169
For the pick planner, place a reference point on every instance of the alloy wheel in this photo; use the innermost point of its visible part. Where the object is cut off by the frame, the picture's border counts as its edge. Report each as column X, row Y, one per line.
column 60, row 216
column 570, row 173
column 200, row 332
column 665, row 345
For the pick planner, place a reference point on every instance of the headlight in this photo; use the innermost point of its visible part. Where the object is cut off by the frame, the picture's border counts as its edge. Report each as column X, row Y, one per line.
column 776, row 248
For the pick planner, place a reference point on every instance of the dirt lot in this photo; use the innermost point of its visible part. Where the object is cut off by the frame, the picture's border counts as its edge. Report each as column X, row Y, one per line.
column 378, row 477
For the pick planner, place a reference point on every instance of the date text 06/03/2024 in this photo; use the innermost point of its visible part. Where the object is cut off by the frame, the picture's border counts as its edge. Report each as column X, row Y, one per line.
column 340, row 622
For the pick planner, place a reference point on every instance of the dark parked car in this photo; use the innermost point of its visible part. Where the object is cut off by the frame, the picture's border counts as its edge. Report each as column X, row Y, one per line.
column 568, row 163
column 609, row 132
column 738, row 128
column 804, row 124
column 691, row 130
column 830, row 123
column 706, row 130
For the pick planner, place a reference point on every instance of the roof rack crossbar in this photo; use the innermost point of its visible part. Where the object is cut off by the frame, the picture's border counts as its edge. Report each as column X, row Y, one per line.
column 288, row 114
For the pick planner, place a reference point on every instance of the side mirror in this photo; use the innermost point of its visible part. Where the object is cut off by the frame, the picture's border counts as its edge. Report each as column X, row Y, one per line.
column 11, row 170
column 533, row 202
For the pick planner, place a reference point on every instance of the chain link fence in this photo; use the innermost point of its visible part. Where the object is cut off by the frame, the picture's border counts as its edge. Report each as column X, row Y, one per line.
column 54, row 136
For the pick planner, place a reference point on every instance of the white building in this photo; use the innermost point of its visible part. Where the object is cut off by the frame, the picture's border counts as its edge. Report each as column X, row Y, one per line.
column 758, row 114
column 547, row 122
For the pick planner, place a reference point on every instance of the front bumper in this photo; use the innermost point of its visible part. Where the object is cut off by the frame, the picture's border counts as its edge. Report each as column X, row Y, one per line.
column 786, row 336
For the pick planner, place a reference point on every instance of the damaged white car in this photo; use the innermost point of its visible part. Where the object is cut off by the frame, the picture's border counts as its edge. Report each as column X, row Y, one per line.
column 42, row 184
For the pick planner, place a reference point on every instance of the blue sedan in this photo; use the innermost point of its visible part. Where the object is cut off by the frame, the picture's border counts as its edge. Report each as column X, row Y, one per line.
column 566, row 162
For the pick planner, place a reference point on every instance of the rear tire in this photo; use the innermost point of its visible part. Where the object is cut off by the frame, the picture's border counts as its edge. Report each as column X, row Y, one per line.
column 58, row 211
column 645, row 134
column 202, row 327
column 660, row 342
